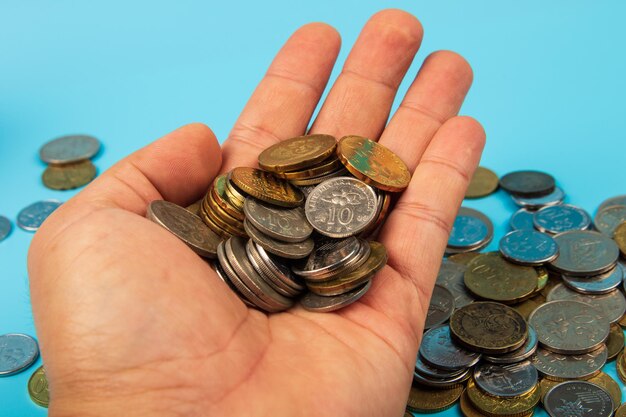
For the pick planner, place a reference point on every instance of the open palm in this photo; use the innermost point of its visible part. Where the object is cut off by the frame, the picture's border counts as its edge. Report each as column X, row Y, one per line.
column 132, row 322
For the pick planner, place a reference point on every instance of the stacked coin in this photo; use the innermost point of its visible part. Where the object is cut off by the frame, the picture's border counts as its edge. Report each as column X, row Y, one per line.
column 69, row 161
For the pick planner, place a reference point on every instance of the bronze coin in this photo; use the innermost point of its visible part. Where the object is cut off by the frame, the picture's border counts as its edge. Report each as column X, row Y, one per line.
column 463, row 258
column 68, row 176
column 615, row 342
column 223, row 199
column 38, row 387
column 324, row 168
column 211, row 205
column 621, row 411
column 484, row 182
column 215, row 219
column 610, row 386
column 266, row 187
column 620, row 238
column 430, row 400
column 297, row 153
column 499, row 406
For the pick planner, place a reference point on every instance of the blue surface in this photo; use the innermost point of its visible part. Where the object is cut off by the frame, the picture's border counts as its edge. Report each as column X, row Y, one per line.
column 549, row 84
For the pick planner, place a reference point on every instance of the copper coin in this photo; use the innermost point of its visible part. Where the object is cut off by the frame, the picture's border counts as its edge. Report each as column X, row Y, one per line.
column 484, row 182
column 297, row 153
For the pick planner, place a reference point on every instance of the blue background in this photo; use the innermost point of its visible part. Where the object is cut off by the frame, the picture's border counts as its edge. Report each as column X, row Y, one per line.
column 549, row 82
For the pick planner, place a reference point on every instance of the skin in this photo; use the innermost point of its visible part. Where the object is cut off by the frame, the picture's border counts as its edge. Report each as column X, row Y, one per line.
column 130, row 320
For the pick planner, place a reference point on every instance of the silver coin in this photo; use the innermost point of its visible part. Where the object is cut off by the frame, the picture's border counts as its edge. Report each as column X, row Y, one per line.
column 227, row 274
column 259, row 266
column 578, row 399
column 68, row 149
column 32, row 217
column 328, row 257
column 450, row 276
column 438, row 350
column 341, row 207
column 323, row 304
column 584, row 253
column 555, row 197
column 611, row 306
column 559, row 325
column 5, row 228
column 511, row 380
column 441, row 383
column 528, row 247
column 17, row 352
column 440, row 308
column 278, row 267
column 431, row 372
column 518, row 355
column 561, row 367
column 291, row 250
column 620, row 200
column 561, row 218
column 522, row 219
column 607, row 219
column 471, row 230
column 284, row 224
column 596, row 284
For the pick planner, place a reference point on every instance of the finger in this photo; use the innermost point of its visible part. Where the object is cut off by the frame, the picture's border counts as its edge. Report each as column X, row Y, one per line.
column 283, row 103
column 436, row 95
column 361, row 98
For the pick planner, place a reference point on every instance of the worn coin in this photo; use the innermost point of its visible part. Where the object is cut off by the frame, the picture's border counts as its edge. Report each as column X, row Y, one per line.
column 610, row 386
column 502, row 406
column 584, row 253
column 522, row 219
column 438, row 350
column 528, row 183
column 69, row 149
column 31, row 217
column 450, row 276
column 561, row 218
column 297, row 250
column 484, row 182
column 596, row 284
column 297, row 153
column 266, row 187
column 441, row 382
column 560, row 324
column 431, row 400
column 17, row 352
column 440, row 308
column 471, row 230
column 519, row 354
column 68, row 176
column 620, row 238
column 373, row 163
column 341, row 207
column 328, row 258
column 325, row 304
column 607, row 219
column 578, row 398
column 534, row 203
column 488, row 327
column 38, row 388
column 563, row 367
column 5, row 228
column 611, row 306
column 511, row 380
column 287, row 225
column 528, row 247
column 432, row 372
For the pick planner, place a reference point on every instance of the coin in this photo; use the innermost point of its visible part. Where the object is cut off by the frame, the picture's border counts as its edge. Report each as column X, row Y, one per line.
column 528, row 183
column 277, row 269
column 68, row 176
column 194, row 208
column 342, row 172
column 450, row 276
column 584, row 253
column 287, row 225
column 292, row 250
column 621, row 367
column 219, row 215
column 328, row 258
column 610, row 386
column 17, row 353
column 232, row 194
column 546, row 385
column 596, row 284
column 502, row 406
column 274, row 281
column 471, row 230
column 534, row 203
column 266, row 187
column 186, row 226
column 488, row 327
column 522, row 219
column 506, row 381
column 325, row 167
column 431, row 400
column 620, row 200
column 226, row 272
column 38, row 388
column 620, row 238
column 432, row 372
column 318, row 303
column 297, row 153
column 373, row 163
column 468, row 409
column 621, row 411
column 528, row 247
column 561, row 218
column 5, row 228
column 441, row 382
column 611, row 306
column 526, row 307
column 484, row 182
column 32, row 217
column 463, row 258
column 559, row 325
column 440, row 308
column 491, row 277
column 69, row 149
column 563, row 367
column 520, row 354
column 229, row 203
column 438, row 350
column 341, row 207
column 578, row 398
column 609, row 218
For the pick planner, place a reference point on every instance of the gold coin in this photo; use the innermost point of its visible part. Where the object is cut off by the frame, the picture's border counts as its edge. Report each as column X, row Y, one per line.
column 463, row 258
column 468, row 409
column 217, row 225
column 621, row 411
column 266, row 187
column 38, row 387
column 621, row 367
column 500, row 406
column 324, row 168
column 546, row 385
column 542, row 278
column 211, row 204
column 195, row 207
column 491, row 277
column 484, row 182
column 429, row 400
column 233, row 196
column 318, row 180
column 373, row 163
column 220, row 222
column 622, row 322
column 528, row 306
column 610, row 385
column 620, row 238
column 297, row 153
column 68, row 176
column 218, row 190
column 615, row 342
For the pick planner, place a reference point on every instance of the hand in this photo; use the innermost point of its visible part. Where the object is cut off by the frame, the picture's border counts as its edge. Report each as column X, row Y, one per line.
column 132, row 322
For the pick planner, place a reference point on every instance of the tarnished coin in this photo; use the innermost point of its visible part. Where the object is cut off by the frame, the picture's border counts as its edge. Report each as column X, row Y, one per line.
column 607, row 219
column 468, row 409
column 463, row 258
column 491, row 277
column 297, row 250
column 610, row 386
column 450, row 276
column 432, row 372
column 615, row 342
column 578, row 398
column 621, row 411
column 484, row 182
column 440, row 308
column 5, row 228
column 373, row 163
column 488, row 327
column 528, row 247
column 528, row 183
column 186, row 226
column 611, row 306
column 522, row 219
column 561, row 218
column 326, row 167
column 17, row 352
column 620, row 238
column 266, row 187
column 341, row 207
column 596, row 284
column 287, row 225
column 432, row 400
column 314, row 302
column 32, row 217
column 535, row 203
column 328, row 258
column 38, row 388
column 563, row 367
column 519, row 354
column 69, row 149
column 506, row 381
column 441, row 382
column 297, row 153
column 584, row 253
column 502, row 406
column 471, row 230
column 438, row 350
column 69, row 176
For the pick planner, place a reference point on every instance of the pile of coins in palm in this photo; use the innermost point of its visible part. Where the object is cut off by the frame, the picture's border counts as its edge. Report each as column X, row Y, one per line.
column 533, row 323
column 298, row 227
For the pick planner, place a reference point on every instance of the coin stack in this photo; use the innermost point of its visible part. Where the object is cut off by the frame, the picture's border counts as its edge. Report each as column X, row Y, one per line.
column 69, row 161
